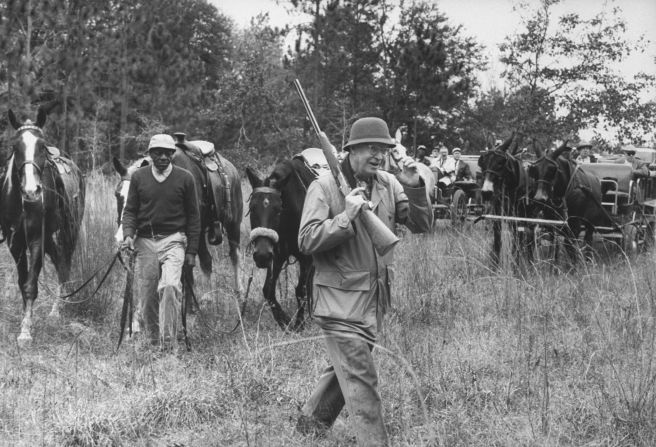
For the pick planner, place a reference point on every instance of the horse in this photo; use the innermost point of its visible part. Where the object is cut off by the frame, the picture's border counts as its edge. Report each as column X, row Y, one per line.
column 42, row 203
column 275, row 208
column 567, row 193
column 506, row 190
column 218, row 187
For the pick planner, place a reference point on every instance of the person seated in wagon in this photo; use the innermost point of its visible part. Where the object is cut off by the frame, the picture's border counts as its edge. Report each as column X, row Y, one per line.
column 444, row 166
column 585, row 154
column 461, row 168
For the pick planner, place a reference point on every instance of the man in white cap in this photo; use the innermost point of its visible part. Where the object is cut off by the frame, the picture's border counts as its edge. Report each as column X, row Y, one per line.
column 352, row 280
column 584, row 149
column 444, row 166
column 461, row 169
column 161, row 220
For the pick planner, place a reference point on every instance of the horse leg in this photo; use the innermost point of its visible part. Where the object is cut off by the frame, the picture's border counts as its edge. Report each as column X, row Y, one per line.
column 269, row 291
column 305, row 266
column 62, row 265
column 496, row 244
column 30, row 288
column 234, row 236
column 18, row 251
column 571, row 238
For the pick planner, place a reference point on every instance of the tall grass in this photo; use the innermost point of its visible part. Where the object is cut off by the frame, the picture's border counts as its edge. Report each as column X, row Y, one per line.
column 469, row 356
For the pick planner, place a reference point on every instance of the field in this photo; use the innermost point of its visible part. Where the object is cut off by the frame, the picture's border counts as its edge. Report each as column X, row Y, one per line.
column 469, row 356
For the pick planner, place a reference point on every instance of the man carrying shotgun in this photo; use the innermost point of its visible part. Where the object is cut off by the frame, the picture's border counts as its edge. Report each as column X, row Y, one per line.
column 352, row 280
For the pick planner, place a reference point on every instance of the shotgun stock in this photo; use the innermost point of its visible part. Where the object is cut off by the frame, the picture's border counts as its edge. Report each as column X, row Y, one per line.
column 381, row 236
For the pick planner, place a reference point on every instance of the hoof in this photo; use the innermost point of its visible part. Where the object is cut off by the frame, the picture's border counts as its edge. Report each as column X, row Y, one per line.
column 24, row 340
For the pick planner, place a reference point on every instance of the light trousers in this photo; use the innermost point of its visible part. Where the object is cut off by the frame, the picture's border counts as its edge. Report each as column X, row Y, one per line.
column 351, row 379
column 158, row 289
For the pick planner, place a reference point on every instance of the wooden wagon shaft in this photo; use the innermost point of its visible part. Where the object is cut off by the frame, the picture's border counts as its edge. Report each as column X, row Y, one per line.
column 546, row 222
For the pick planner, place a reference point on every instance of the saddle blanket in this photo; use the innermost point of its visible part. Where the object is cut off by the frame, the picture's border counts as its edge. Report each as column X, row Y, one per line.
column 315, row 161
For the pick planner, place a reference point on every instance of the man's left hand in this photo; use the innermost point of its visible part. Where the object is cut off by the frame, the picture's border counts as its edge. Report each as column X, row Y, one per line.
column 190, row 260
column 409, row 176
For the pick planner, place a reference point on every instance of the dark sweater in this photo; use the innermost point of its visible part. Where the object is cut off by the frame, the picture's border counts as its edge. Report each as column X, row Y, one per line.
column 154, row 208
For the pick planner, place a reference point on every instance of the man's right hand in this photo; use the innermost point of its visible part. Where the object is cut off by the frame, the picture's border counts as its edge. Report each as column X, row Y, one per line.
column 354, row 203
column 128, row 243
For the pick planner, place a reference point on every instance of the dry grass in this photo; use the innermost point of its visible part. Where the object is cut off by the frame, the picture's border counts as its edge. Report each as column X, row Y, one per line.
column 469, row 357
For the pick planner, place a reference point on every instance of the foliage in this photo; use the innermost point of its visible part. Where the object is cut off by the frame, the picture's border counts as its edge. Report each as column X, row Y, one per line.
column 561, row 71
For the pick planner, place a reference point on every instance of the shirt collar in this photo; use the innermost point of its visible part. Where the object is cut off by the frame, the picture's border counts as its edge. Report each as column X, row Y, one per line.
column 160, row 177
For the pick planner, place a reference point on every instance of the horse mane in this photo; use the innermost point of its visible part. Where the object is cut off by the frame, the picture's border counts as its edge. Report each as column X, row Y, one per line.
column 284, row 169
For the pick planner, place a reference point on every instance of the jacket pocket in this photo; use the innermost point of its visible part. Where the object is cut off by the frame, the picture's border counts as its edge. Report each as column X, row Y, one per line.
column 343, row 280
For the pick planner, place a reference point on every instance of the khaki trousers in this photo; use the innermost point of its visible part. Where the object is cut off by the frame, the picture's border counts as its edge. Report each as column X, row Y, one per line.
column 158, row 289
column 351, row 379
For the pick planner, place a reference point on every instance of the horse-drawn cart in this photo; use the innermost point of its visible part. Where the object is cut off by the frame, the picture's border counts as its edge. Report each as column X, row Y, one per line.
column 629, row 197
column 460, row 200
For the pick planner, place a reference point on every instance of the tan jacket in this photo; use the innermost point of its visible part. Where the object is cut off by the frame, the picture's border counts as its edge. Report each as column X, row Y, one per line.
column 352, row 282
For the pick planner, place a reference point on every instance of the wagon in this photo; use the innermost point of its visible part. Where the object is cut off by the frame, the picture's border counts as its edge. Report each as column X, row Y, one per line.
column 631, row 203
column 461, row 200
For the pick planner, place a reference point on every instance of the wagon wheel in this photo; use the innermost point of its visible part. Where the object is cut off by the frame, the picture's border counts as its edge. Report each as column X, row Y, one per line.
column 458, row 208
column 631, row 241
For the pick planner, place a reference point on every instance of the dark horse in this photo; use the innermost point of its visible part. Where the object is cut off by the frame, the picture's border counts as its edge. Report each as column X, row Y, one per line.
column 506, row 190
column 218, row 187
column 275, row 210
column 567, row 193
column 42, row 203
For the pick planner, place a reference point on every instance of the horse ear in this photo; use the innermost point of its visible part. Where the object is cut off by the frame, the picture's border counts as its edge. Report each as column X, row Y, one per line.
column 119, row 166
column 558, row 152
column 504, row 146
column 537, row 148
column 12, row 119
column 41, row 117
column 253, row 177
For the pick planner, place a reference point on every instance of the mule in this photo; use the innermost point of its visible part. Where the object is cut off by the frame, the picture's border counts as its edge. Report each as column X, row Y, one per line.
column 275, row 208
column 506, row 190
column 219, row 197
column 42, row 203
column 565, row 192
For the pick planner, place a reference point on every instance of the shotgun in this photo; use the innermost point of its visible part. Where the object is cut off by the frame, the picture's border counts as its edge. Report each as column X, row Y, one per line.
column 381, row 236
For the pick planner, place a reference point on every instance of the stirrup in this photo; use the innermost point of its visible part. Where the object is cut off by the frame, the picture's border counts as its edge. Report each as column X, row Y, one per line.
column 215, row 233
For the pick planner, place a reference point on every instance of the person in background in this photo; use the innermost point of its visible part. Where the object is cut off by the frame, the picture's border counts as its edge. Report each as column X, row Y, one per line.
column 639, row 168
column 352, row 282
column 444, row 166
column 421, row 155
column 585, row 154
column 161, row 221
column 461, row 169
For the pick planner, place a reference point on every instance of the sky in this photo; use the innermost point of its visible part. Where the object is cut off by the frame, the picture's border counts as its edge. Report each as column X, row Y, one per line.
column 490, row 21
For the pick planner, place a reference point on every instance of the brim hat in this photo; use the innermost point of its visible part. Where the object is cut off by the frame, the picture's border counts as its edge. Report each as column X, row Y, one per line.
column 584, row 143
column 369, row 130
column 456, row 149
column 162, row 141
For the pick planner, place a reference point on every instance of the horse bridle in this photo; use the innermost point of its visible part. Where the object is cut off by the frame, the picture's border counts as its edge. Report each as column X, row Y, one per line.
column 498, row 154
column 264, row 231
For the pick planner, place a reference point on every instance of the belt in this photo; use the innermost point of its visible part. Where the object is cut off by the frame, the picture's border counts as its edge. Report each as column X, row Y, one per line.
column 158, row 237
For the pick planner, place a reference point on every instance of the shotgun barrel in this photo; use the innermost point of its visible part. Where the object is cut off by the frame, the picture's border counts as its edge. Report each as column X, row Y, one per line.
column 381, row 236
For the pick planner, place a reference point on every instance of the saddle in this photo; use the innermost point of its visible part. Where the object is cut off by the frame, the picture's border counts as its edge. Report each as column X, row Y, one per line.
column 314, row 160
column 204, row 154
column 54, row 155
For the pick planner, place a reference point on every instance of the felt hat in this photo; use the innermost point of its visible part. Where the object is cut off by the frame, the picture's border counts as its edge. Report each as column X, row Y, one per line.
column 369, row 130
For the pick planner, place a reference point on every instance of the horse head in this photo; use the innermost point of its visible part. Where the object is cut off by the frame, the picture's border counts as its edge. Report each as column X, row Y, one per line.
column 496, row 166
column 29, row 156
column 550, row 177
column 122, row 188
column 265, row 209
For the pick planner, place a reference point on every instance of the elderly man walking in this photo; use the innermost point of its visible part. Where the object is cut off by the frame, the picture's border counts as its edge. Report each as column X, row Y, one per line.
column 161, row 220
column 352, row 281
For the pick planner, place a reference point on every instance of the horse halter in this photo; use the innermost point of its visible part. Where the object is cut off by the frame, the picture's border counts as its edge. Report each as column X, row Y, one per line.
column 497, row 154
column 269, row 233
